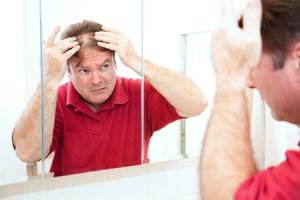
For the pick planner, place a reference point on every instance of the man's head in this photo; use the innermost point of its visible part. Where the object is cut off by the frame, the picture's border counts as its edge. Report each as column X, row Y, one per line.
column 92, row 69
column 278, row 75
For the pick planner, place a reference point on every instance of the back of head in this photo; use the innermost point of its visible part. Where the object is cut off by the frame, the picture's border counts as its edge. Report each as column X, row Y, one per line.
column 280, row 28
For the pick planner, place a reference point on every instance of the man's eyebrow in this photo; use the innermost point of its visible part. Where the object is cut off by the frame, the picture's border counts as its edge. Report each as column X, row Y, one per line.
column 80, row 66
column 106, row 60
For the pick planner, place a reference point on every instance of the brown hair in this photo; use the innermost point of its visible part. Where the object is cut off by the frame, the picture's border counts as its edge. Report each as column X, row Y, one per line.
column 84, row 32
column 280, row 28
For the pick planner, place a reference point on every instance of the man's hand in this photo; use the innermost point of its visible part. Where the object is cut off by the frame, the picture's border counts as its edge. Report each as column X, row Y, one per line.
column 116, row 41
column 227, row 158
column 57, row 55
column 236, row 50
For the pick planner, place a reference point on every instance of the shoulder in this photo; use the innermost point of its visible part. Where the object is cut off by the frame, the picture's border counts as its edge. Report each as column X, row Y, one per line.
column 63, row 91
column 134, row 82
column 129, row 81
column 129, row 84
column 277, row 181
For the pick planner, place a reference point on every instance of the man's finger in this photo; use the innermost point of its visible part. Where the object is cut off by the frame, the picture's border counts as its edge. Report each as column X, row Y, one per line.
column 52, row 36
column 72, row 51
column 67, row 45
column 107, row 46
column 252, row 24
column 252, row 19
column 227, row 13
column 108, row 29
column 108, row 39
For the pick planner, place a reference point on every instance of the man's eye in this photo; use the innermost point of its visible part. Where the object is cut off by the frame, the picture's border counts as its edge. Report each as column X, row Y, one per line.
column 104, row 67
column 83, row 71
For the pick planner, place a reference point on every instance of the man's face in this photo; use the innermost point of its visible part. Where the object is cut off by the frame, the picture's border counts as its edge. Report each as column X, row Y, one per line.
column 279, row 88
column 93, row 75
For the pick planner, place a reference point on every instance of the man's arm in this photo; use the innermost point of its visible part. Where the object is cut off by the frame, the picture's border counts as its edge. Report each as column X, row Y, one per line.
column 181, row 92
column 27, row 134
column 227, row 158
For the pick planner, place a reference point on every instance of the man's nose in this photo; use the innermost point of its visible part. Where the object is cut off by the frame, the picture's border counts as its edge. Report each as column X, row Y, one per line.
column 96, row 78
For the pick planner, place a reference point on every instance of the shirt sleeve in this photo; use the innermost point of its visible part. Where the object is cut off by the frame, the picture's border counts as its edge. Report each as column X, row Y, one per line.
column 159, row 112
column 275, row 183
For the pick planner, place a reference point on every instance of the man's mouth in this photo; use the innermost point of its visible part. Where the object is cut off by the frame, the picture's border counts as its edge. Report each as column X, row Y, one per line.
column 97, row 90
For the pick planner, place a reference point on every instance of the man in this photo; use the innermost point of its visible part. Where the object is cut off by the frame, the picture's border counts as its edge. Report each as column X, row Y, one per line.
column 94, row 121
column 269, row 62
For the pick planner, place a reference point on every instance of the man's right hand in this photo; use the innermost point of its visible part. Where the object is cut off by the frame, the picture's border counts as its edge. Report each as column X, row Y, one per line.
column 57, row 54
column 237, row 50
column 114, row 40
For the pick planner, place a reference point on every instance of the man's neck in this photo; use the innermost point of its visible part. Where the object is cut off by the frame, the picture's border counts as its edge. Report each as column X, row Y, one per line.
column 94, row 108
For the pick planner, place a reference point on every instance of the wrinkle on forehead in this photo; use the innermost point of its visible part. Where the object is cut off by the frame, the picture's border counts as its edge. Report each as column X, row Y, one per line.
column 91, row 55
column 88, row 53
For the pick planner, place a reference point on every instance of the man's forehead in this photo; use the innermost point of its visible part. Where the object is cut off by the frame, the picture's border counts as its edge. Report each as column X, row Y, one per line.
column 91, row 50
column 76, row 61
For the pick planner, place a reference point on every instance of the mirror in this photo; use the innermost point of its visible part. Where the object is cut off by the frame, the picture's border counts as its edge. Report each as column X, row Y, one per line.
column 109, row 136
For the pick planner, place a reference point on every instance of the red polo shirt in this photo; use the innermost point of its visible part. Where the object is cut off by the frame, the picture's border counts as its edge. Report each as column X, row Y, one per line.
column 86, row 141
column 275, row 183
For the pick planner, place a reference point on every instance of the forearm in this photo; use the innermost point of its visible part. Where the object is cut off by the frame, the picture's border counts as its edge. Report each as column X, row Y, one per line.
column 181, row 92
column 227, row 154
column 27, row 136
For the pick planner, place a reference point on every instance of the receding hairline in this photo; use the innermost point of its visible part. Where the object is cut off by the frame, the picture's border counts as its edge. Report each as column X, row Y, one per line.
column 79, row 28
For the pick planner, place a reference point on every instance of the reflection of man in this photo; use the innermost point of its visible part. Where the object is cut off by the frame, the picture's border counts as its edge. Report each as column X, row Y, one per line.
column 94, row 121
column 272, row 66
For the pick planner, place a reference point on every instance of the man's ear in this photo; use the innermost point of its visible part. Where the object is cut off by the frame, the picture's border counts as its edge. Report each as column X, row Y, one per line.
column 296, row 54
column 296, row 51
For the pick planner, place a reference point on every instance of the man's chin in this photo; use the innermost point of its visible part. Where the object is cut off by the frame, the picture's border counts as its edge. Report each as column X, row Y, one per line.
column 295, row 121
column 277, row 117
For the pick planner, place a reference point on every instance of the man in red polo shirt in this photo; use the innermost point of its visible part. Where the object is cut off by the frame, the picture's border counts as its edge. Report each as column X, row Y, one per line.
column 93, row 122
column 269, row 62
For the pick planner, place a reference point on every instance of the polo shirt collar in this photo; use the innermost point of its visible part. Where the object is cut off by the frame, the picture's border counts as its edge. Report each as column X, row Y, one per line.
column 119, row 96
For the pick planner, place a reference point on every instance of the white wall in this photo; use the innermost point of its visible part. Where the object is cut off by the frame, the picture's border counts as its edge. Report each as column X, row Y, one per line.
column 11, row 87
